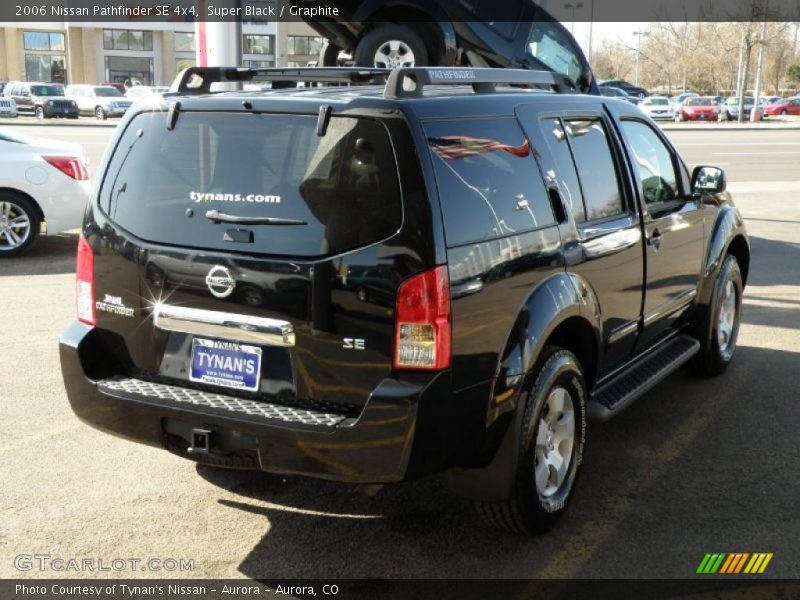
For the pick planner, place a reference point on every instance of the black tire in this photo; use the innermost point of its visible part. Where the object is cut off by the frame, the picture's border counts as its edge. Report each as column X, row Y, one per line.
column 100, row 114
column 528, row 510
column 19, row 203
column 329, row 55
column 378, row 38
column 715, row 356
column 38, row 112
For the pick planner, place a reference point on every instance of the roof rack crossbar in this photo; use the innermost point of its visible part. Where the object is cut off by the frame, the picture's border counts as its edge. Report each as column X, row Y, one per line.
column 198, row 80
column 411, row 82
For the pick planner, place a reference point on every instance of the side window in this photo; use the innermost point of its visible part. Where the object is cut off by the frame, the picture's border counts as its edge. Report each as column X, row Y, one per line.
column 567, row 178
column 488, row 179
column 654, row 163
column 597, row 173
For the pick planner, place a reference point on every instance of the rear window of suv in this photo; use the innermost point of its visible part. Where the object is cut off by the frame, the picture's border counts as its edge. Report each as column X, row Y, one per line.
column 215, row 172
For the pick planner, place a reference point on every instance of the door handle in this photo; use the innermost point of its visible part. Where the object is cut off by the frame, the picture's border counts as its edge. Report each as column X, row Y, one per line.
column 655, row 240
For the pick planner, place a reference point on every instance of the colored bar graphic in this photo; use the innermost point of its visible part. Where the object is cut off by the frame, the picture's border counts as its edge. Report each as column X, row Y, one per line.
column 727, row 564
column 734, row 563
column 765, row 563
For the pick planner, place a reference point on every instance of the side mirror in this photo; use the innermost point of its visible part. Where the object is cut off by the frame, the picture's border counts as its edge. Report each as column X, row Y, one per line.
column 708, row 180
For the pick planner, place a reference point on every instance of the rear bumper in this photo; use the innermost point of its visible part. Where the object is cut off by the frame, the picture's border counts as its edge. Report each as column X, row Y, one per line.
column 375, row 447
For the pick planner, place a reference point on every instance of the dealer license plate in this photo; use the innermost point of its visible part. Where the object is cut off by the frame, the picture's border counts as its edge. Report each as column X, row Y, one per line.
column 226, row 364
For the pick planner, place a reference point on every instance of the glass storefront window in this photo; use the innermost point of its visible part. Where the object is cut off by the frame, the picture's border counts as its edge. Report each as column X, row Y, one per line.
column 302, row 44
column 45, row 67
column 130, row 70
column 184, row 42
column 257, row 44
column 44, row 41
column 121, row 39
column 184, row 63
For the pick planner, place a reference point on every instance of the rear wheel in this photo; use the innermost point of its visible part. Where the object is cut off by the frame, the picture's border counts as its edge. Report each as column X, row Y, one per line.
column 39, row 112
column 19, row 225
column 720, row 329
column 550, row 450
column 100, row 114
column 391, row 46
column 784, row 113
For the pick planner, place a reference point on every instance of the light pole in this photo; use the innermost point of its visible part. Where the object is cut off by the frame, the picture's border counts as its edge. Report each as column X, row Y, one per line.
column 573, row 7
column 639, row 35
column 591, row 28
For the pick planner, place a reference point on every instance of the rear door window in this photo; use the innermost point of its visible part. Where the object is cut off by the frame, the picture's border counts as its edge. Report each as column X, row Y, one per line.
column 219, row 171
column 597, row 171
column 489, row 182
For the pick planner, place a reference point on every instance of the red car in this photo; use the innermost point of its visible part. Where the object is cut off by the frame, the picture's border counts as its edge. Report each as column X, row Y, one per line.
column 787, row 106
column 702, row 108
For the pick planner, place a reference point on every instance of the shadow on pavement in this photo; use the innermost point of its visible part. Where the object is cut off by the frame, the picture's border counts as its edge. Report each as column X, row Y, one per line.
column 49, row 256
column 677, row 473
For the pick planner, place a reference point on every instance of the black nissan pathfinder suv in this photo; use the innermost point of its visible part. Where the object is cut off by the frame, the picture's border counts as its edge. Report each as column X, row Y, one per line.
column 534, row 258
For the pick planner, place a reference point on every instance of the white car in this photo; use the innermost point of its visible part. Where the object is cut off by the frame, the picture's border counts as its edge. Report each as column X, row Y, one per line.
column 102, row 101
column 44, row 188
column 657, row 107
column 8, row 108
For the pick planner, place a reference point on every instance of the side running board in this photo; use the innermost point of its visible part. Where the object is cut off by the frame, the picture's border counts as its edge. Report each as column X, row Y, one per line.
column 640, row 376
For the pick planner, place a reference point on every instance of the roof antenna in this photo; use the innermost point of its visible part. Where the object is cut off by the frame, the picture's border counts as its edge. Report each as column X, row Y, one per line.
column 323, row 120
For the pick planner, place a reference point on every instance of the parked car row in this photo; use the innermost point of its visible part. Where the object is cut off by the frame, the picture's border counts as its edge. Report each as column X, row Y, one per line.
column 53, row 100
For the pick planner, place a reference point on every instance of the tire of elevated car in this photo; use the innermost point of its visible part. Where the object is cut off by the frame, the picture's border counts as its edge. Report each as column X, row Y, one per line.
column 329, row 55
column 19, row 205
column 382, row 39
column 554, row 420
column 719, row 330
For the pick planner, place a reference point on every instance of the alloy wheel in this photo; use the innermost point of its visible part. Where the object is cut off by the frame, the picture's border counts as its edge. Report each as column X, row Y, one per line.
column 15, row 226
column 726, row 328
column 393, row 54
column 555, row 439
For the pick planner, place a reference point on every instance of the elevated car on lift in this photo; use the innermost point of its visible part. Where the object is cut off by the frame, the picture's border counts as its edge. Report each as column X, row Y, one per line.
column 412, row 33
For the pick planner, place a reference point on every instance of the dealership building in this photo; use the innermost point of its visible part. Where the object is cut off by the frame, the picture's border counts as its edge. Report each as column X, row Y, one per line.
column 151, row 53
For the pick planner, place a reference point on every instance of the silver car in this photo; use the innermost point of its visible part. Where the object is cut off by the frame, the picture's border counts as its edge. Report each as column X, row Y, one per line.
column 102, row 101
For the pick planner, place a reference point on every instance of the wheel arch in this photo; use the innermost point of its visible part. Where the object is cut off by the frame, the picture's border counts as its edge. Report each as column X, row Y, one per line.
column 31, row 199
column 562, row 311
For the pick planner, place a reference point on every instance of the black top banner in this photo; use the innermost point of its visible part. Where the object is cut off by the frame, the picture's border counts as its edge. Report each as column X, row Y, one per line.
column 505, row 11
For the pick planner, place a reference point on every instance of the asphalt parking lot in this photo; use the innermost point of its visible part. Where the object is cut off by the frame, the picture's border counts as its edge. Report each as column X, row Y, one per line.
column 697, row 466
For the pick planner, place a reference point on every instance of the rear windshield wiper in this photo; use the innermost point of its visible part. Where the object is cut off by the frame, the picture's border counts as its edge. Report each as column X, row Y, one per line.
column 218, row 217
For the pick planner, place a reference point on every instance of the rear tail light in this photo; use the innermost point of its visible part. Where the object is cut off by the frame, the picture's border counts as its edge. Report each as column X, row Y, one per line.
column 70, row 166
column 422, row 322
column 85, row 282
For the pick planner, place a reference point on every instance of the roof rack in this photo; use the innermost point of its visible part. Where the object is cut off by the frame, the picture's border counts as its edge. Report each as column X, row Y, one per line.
column 198, row 80
column 410, row 82
column 400, row 83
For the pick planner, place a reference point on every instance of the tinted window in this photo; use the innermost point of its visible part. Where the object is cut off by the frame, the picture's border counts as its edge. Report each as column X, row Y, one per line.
column 653, row 160
column 489, row 182
column 565, row 169
column 596, row 169
column 550, row 46
column 47, row 90
column 107, row 92
column 331, row 193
